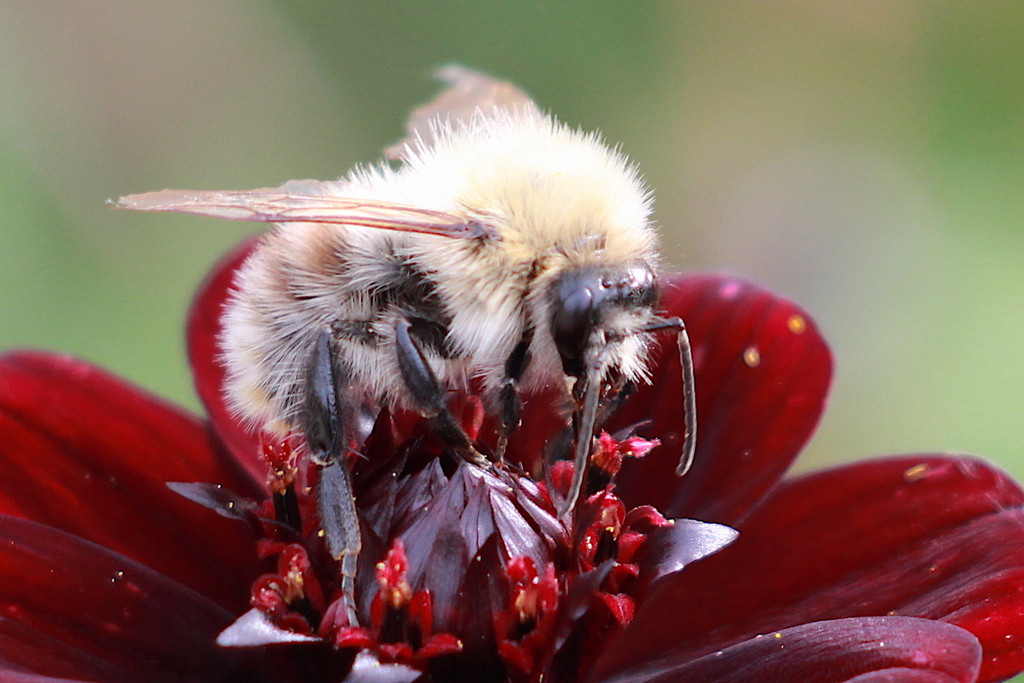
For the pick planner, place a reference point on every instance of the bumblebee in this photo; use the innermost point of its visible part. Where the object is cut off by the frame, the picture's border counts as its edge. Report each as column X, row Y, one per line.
column 498, row 247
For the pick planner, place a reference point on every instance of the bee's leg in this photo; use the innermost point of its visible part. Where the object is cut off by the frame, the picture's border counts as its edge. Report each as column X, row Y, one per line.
column 510, row 404
column 325, row 436
column 429, row 395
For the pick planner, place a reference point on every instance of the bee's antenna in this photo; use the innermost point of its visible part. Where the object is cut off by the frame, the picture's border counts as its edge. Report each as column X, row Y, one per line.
column 689, row 395
column 689, row 402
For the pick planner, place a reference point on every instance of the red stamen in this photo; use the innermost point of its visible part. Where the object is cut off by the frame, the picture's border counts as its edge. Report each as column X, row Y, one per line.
column 637, row 447
column 392, row 576
column 282, row 460
column 525, row 628
column 268, row 595
column 295, row 566
column 600, row 541
column 610, row 453
column 621, row 606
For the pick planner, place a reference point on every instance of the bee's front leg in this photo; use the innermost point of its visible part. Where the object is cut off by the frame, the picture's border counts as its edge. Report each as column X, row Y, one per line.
column 324, row 429
column 510, row 404
column 428, row 394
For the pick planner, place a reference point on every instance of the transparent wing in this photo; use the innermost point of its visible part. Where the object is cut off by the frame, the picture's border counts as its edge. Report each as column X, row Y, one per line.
column 299, row 201
column 468, row 93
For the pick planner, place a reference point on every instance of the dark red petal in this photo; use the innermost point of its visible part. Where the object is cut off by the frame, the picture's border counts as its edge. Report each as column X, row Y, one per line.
column 902, row 674
column 90, row 454
column 915, row 536
column 203, row 333
column 9, row 676
column 838, row 651
column 474, row 509
column 73, row 609
column 762, row 372
column 671, row 549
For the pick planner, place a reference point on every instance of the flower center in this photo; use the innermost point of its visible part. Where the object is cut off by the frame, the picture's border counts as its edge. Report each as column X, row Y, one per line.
column 474, row 570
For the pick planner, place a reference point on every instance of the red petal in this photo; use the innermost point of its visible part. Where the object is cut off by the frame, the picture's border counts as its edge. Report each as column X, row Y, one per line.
column 911, row 536
column 203, row 333
column 89, row 454
column 836, row 651
column 74, row 609
column 762, row 372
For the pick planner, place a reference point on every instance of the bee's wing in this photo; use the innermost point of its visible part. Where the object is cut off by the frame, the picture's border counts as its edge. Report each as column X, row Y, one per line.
column 299, row 201
column 468, row 93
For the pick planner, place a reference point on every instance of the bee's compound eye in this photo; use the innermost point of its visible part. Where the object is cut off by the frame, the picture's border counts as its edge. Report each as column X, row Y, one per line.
column 572, row 318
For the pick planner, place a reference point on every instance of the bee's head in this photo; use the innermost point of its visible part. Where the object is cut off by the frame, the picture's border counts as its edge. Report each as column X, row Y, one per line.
column 598, row 305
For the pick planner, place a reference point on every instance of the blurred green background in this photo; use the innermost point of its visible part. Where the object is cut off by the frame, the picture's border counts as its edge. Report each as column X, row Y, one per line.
column 864, row 158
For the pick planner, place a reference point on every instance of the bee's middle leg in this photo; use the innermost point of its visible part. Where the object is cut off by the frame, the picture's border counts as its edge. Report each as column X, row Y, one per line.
column 428, row 394
column 324, row 429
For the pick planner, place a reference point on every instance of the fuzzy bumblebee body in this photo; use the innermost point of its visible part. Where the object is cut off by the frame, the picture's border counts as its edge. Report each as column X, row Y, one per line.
column 506, row 251
column 550, row 200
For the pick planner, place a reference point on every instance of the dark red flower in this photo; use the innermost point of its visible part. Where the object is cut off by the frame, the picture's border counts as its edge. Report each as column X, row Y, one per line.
column 901, row 569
